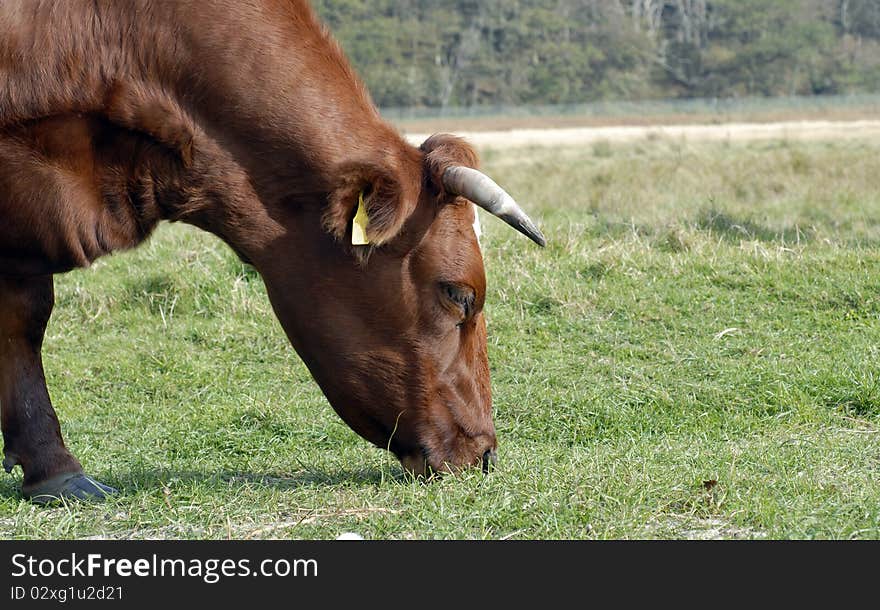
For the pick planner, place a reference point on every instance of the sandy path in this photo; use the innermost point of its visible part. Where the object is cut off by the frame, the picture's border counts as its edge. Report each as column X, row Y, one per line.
column 794, row 130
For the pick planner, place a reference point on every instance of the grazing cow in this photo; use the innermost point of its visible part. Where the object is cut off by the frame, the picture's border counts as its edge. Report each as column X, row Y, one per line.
column 243, row 118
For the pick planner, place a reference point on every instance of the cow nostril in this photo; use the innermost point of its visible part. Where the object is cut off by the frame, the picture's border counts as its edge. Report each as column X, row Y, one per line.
column 490, row 457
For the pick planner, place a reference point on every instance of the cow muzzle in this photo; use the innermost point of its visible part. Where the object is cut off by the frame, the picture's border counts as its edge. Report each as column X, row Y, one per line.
column 417, row 464
column 490, row 458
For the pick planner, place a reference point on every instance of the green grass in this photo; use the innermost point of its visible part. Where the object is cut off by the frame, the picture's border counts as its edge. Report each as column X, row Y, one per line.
column 694, row 355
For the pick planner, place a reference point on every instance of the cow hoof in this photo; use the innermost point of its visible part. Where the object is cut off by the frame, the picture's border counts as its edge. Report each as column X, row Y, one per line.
column 77, row 486
column 10, row 461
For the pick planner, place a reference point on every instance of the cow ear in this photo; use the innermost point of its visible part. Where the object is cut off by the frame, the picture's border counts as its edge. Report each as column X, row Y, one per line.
column 388, row 202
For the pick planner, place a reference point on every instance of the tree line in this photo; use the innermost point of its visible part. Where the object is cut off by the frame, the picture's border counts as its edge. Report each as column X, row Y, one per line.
column 440, row 53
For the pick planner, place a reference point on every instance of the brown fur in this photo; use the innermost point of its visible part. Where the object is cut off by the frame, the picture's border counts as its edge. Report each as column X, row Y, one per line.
column 244, row 118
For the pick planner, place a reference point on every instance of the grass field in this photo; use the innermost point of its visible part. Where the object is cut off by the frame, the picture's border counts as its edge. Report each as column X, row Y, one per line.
column 695, row 355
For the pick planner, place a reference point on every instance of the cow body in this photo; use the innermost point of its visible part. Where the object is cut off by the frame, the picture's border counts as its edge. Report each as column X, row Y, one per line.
column 245, row 119
column 126, row 114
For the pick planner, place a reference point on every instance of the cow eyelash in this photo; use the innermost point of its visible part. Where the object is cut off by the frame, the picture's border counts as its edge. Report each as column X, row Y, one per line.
column 463, row 297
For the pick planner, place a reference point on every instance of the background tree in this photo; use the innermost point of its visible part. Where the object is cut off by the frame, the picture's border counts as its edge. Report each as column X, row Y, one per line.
column 439, row 53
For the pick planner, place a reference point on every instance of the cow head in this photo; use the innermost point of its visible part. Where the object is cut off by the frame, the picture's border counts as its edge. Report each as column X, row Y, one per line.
column 394, row 331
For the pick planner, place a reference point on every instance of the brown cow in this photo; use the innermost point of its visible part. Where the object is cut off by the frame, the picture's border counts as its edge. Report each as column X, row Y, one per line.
column 245, row 119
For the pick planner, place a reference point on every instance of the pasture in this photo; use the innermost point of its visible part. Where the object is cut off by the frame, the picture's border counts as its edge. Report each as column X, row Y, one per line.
column 695, row 355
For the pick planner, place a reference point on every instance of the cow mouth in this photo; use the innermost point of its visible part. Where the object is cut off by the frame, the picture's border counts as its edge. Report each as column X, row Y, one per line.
column 418, row 465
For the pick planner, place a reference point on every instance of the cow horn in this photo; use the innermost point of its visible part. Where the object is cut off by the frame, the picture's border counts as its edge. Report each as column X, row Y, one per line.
column 483, row 191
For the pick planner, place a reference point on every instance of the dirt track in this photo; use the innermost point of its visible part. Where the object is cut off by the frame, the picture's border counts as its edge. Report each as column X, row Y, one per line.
column 739, row 132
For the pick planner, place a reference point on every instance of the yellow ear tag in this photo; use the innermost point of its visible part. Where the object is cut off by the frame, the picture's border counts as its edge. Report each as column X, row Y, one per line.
column 359, row 225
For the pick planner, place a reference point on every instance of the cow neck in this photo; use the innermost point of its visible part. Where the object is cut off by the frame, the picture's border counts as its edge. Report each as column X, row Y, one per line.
column 274, row 89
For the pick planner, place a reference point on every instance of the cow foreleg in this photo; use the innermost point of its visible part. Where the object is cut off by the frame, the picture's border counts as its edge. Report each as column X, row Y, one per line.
column 31, row 432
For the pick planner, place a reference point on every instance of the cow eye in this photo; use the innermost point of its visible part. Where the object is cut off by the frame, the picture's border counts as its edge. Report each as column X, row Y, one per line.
column 459, row 296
